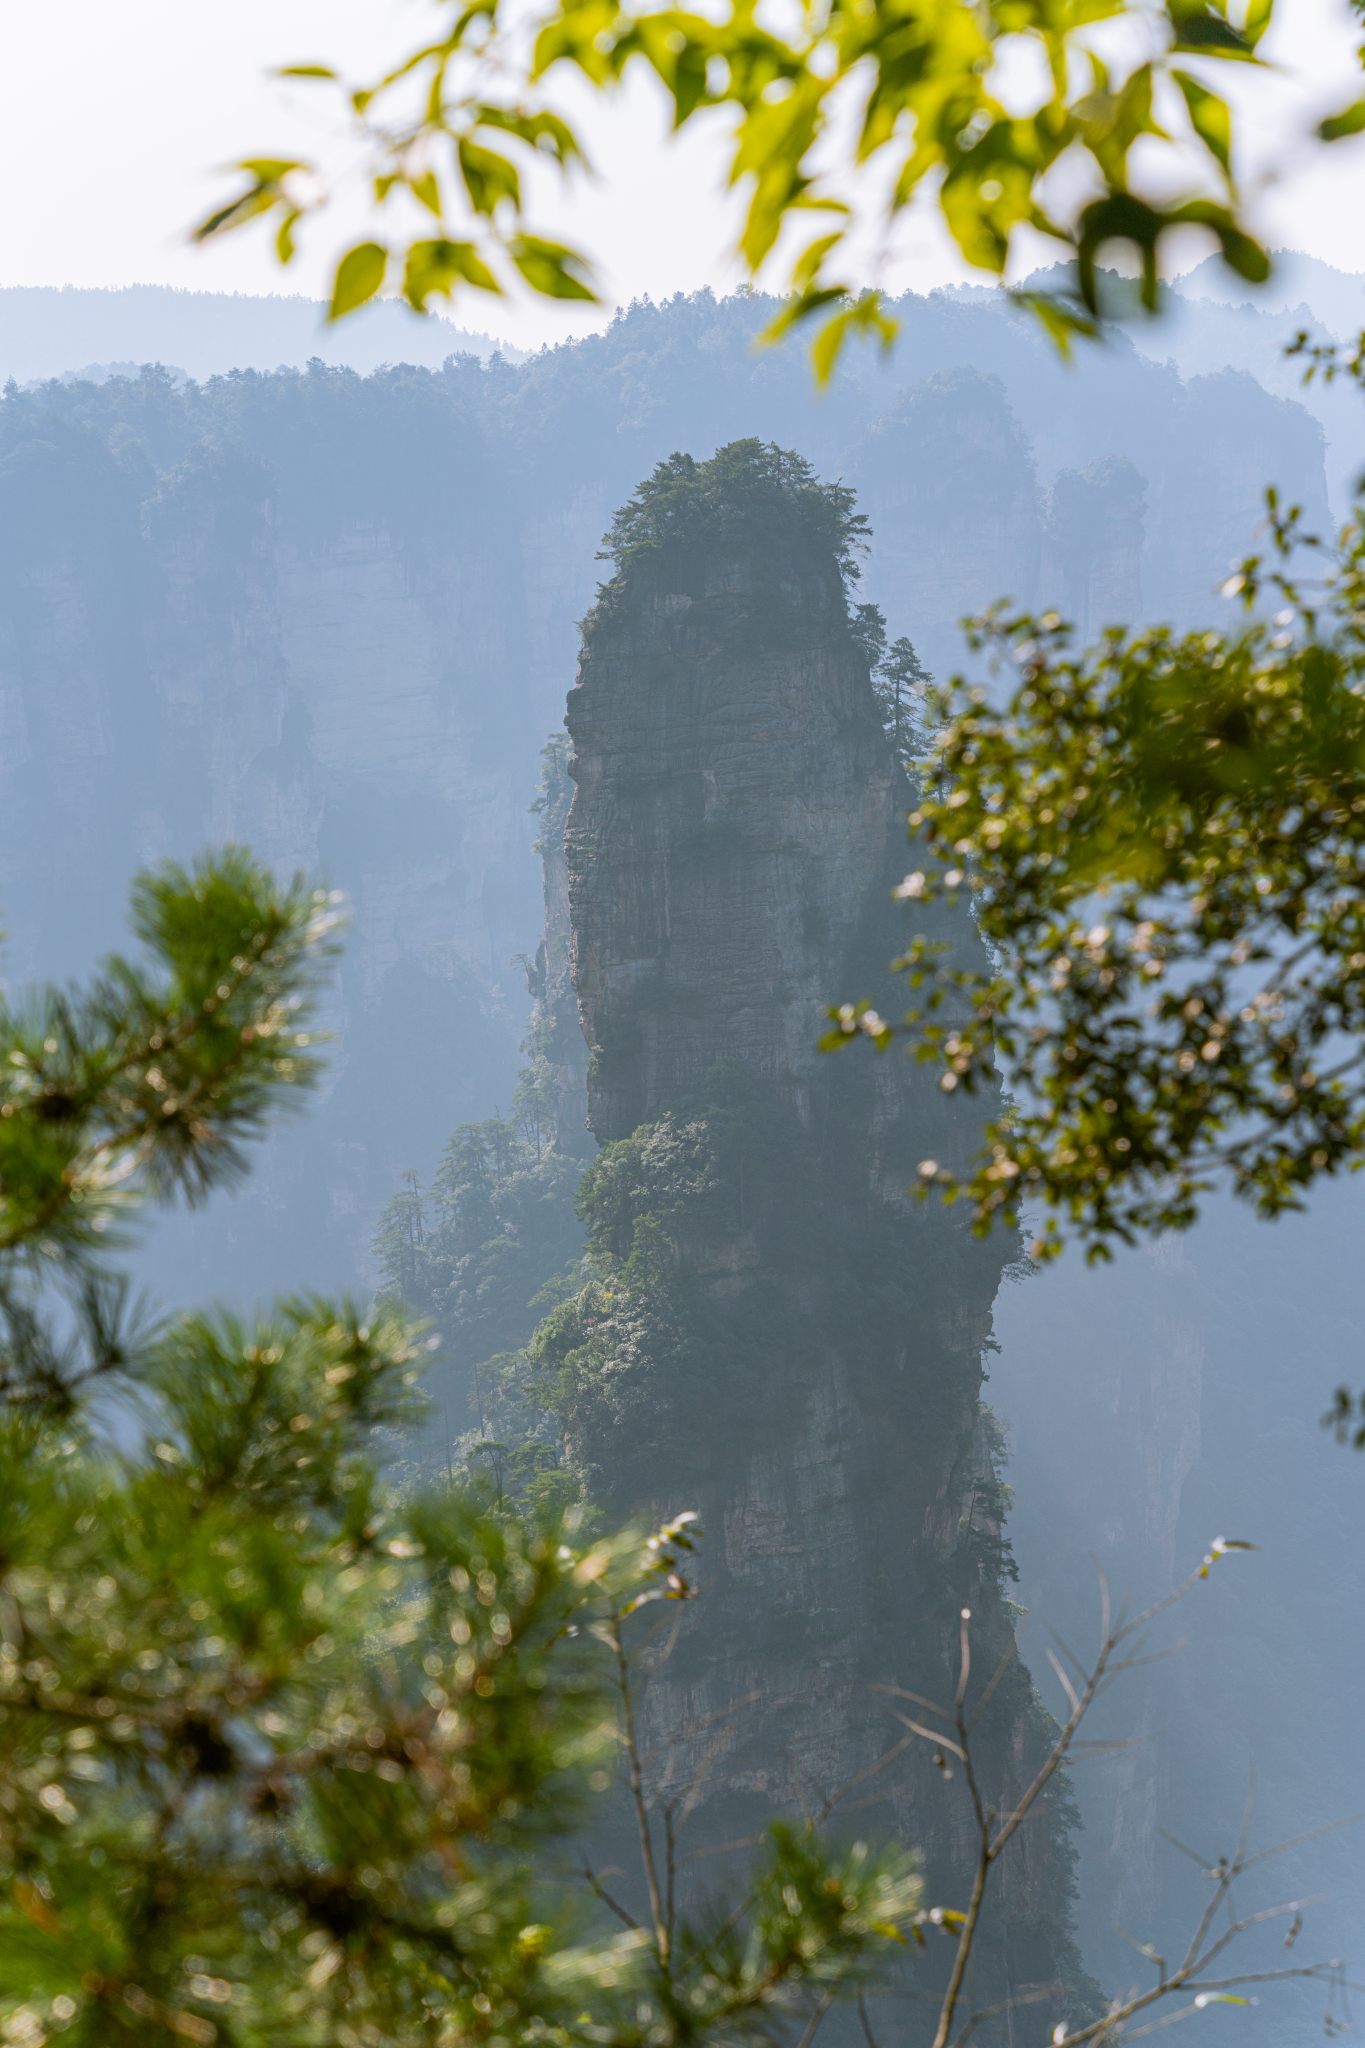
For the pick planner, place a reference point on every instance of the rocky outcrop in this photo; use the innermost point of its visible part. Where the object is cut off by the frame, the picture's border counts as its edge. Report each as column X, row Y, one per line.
column 1093, row 544
column 948, row 480
column 736, row 813
column 736, row 830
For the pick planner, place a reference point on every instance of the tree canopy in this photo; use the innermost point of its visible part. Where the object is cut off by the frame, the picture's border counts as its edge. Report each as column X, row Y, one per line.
column 747, row 490
column 1163, row 841
column 834, row 122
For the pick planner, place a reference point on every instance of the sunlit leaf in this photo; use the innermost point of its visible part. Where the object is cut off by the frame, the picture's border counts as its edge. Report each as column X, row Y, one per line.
column 1063, row 318
column 359, row 276
column 264, row 193
column 439, row 267
column 488, row 177
column 1210, row 117
column 1258, row 18
column 1350, row 122
column 1204, row 29
column 427, row 192
column 550, row 269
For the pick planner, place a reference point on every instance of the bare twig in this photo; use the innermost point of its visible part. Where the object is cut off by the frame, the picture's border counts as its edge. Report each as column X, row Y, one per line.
column 822, row 2006
column 670, row 1866
column 1001, row 1668
column 590, row 1877
column 994, row 1831
column 656, row 1905
column 868, row 1771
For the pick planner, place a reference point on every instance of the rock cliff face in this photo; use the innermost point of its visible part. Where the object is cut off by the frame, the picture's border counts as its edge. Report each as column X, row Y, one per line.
column 736, row 813
column 734, row 836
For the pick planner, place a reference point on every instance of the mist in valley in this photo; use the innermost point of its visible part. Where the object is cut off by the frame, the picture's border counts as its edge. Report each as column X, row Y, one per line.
column 330, row 609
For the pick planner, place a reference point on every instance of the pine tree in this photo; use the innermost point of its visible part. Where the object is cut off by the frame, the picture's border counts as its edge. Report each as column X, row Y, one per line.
column 900, row 680
column 289, row 1754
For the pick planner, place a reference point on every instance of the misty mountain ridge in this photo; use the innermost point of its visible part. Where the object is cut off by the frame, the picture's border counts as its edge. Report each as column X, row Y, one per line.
column 1211, row 321
column 47, row 330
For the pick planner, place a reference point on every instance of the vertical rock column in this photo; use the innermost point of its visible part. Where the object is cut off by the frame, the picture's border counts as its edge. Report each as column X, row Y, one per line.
column 737, row 827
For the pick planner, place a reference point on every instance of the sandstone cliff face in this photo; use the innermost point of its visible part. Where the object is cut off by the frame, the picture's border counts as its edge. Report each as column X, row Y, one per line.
column 735, row 813
column 736, row 829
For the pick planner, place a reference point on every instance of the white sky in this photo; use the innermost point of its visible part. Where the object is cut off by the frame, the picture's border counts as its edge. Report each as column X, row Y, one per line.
column 118, row 115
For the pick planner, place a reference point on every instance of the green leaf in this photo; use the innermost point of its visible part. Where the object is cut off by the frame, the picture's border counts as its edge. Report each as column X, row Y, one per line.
column 1240, row 252
column 270, row 170
column 1122, row 217
column 1257, row 20
column 1062, row 317
column 810, row 262
column 1210, row 117
column 427, row 192
column 1205, row 31
column 265, row 192
column 439, row 266
column 488, row 177
column 550, row 269
column 544, row 131
column 305, row 71
column 867, row 317
column 359, row 275
column 1349, row 122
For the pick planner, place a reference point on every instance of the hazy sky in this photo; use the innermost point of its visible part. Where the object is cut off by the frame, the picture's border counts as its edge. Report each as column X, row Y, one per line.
column 117, row 117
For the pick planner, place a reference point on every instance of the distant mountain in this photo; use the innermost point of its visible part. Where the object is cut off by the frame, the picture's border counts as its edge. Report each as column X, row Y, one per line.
column 46, row 330
column 1335, row 297
column 1211, row 321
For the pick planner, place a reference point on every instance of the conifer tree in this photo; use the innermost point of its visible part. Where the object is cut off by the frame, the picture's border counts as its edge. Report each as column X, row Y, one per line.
column 290, row 1754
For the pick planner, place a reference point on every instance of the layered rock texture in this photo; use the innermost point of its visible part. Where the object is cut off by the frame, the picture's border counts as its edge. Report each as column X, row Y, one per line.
column 736, row 818
column 793, row 1348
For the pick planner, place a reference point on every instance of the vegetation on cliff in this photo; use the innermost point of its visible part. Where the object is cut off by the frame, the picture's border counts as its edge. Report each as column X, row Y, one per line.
column 496, row 1239
column 747, row 492
column 495, row 1227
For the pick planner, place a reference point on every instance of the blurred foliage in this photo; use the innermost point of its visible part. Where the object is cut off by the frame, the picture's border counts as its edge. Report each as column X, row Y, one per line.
column 290, row 1753
column 143, row 1086
column 287, row 1757
column 910, row 93
column 1164, row 842
column 149, row 1080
